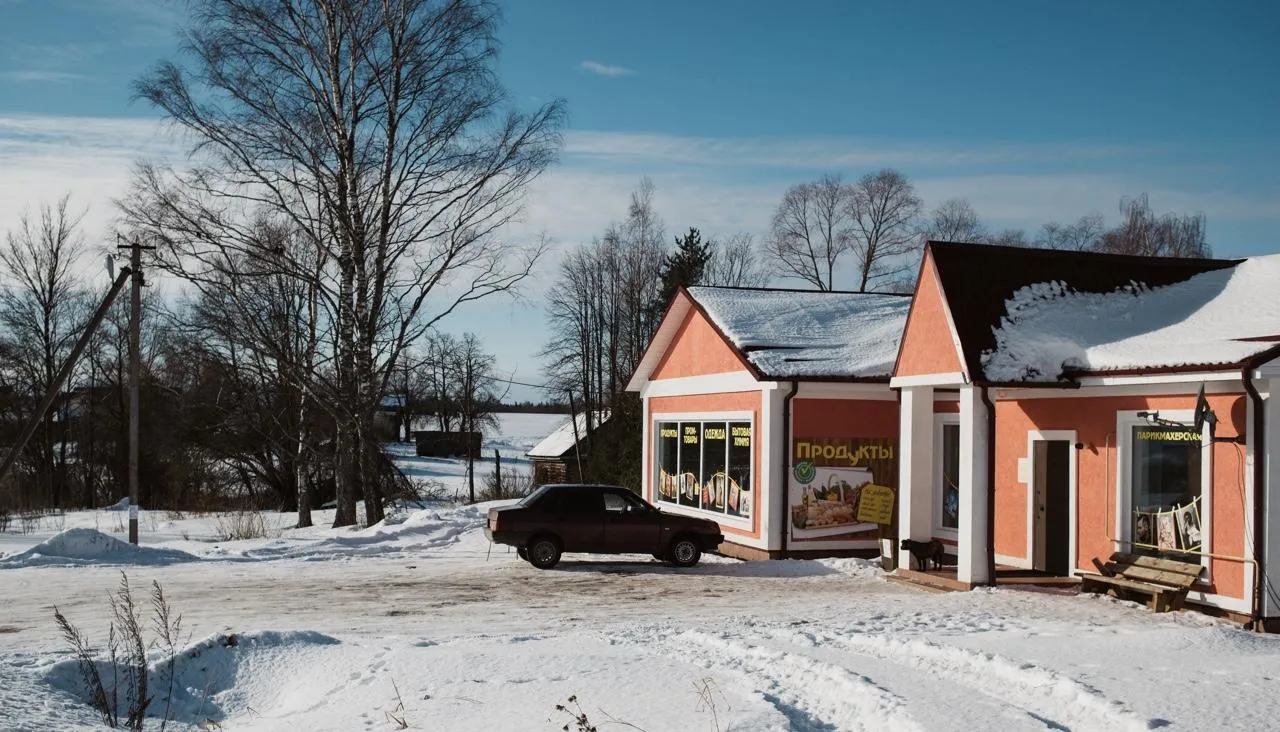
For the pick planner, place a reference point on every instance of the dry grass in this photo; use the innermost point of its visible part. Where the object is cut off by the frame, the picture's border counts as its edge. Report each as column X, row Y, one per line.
column 240, row 525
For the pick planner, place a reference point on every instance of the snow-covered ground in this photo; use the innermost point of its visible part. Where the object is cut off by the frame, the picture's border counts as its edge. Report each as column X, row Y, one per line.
column 419, row 619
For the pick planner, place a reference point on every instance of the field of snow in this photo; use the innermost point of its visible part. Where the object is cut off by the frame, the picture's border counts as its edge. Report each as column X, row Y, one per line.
column 419, row 619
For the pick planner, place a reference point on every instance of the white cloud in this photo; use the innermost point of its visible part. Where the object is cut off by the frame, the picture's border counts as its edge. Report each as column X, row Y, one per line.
column 721, row 186
column 45, row 158
column 595, row 67
column 25, row 76
column 826, row 153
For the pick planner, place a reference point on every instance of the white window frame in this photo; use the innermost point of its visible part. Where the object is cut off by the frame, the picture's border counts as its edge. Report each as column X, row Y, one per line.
column 1125, row 422
column 940, row 420
column 723, row 518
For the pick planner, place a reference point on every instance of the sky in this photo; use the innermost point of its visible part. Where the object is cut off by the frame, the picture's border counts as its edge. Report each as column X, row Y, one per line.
column 1033, row 111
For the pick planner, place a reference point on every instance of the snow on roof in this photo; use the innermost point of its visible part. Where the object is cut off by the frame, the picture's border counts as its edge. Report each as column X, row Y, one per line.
column 562, row 439
column 797, row 334
column 1214, row 318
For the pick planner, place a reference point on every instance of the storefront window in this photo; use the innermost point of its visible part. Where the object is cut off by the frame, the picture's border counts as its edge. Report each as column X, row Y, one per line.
column 949, row 477
column 705, row 465
column 690, row 463
column 1166, row 489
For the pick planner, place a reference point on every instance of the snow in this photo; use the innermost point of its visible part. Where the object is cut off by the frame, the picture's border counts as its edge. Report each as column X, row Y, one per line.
column 419, row 618
column 86, row 545
column 795, row 334
column 563, row 439
column 1203, row 321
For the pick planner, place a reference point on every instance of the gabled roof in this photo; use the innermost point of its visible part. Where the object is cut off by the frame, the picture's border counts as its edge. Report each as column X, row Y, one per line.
column 561, row 442
column 1034, row 315
column 792, row 334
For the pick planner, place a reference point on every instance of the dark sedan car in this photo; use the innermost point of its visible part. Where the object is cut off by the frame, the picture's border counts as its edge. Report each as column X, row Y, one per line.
column 601, row 519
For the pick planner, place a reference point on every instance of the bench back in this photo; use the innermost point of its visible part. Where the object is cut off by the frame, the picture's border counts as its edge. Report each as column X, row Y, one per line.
column 1154, row 570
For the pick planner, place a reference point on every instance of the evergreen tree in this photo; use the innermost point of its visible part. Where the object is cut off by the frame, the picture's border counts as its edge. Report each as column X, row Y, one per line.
column 682, row 267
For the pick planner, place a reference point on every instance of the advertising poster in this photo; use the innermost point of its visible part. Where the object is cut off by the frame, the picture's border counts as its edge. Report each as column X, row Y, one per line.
column 826, row 482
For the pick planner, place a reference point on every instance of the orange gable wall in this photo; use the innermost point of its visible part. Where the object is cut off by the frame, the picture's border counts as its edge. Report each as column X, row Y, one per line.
column 927, row 347
column 1094, row 420
column 738, row 401
column 697, row 349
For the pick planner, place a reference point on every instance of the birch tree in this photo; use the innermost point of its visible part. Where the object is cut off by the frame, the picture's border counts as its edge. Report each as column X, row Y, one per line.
column 376, row 130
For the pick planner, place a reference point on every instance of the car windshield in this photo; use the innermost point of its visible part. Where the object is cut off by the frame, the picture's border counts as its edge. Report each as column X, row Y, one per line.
column 532, row 498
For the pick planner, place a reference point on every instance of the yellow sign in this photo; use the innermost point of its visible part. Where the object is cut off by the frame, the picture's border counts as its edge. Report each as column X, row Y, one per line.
column 875, row 504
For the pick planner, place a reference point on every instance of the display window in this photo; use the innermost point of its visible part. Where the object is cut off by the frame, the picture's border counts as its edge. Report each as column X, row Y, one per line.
column 705, row 465
column 1165, row 489
column 946, row 474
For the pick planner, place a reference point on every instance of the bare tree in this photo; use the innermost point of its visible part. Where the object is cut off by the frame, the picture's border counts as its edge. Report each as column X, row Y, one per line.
column 375, row 130
column 884, row 208
column 475, row 397
column 735, row 262
column 1142, row 232
column 42, row 309
column 1010, row 238
column 813, row 228
column 1081, row 236
column 955, row 220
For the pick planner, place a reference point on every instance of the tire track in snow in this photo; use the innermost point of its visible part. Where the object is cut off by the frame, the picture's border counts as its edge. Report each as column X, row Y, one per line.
column 1057, row 701
column 813, row 695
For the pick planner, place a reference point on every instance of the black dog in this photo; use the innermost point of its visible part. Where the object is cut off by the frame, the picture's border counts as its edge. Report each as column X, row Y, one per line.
column 923, row 551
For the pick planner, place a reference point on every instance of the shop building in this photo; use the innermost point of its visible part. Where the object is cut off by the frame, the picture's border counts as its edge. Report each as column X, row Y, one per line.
column 737, row 381
column 1048, row 404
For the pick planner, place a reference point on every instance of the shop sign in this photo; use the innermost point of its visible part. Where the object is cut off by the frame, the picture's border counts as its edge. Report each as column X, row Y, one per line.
column 829, row 477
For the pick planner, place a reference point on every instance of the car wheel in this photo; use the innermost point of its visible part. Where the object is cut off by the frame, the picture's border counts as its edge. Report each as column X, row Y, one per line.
column 522, row 553
column 543, row 553
column 685, row 552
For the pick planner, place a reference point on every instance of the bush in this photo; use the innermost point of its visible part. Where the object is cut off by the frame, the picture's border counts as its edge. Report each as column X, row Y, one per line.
column 514, row 484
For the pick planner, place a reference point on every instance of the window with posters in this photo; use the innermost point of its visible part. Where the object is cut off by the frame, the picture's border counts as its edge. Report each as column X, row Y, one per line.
column 705, row 464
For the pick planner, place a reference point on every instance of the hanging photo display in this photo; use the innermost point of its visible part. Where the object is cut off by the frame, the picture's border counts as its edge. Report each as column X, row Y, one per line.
column 1176, row 528
column 705, row 465
column 827, row 478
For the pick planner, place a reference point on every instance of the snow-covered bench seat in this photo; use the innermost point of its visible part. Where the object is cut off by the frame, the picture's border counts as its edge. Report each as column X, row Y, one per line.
column 1165, row 581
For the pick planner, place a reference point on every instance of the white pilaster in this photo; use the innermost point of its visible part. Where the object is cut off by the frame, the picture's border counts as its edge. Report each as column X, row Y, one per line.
column 1271, row 506
column 972, row 550
column 915, row 467
column 774, row 459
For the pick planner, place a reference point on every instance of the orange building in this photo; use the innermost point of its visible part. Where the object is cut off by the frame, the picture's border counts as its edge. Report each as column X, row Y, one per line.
column 1047, row 405
column 770, row 411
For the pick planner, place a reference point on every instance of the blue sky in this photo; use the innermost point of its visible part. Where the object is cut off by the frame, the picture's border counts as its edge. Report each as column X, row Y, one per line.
column 1032, row 110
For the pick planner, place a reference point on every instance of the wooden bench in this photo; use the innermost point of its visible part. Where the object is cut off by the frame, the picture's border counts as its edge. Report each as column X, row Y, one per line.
column 1165, row 581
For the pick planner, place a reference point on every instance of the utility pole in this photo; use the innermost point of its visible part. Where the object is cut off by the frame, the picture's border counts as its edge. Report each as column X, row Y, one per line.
column 135, row 376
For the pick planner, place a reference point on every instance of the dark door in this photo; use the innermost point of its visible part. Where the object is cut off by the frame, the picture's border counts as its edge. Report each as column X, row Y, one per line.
column 630, row 525
column 1057, row 495
column 580, row 519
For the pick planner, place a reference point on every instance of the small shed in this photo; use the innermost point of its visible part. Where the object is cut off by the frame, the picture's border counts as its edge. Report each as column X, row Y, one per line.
column 555, row 458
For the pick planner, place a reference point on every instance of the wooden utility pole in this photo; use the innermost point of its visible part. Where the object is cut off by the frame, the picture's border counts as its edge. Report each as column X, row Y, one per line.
column 135, row 376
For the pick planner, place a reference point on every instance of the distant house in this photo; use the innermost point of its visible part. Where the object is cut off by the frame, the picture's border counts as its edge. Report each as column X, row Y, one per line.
column 556, row 458
column 389, row 419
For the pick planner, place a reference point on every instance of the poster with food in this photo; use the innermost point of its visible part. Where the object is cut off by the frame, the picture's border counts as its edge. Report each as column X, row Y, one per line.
column 824, row 501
